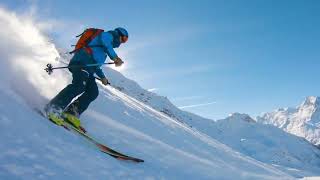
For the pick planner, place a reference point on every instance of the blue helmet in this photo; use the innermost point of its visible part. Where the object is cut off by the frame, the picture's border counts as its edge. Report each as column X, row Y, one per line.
column 122, row 31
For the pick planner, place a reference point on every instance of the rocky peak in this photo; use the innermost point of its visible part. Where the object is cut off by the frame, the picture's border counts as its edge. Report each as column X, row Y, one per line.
column 311, row 101
column 239, row 116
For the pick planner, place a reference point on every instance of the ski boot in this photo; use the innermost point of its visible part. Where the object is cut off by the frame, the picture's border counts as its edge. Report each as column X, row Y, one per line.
column 73, row 120
column 53, row 114
column 55, row 119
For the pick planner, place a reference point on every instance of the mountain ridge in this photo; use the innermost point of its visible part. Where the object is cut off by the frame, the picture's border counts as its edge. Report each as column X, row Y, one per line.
column 303, row 121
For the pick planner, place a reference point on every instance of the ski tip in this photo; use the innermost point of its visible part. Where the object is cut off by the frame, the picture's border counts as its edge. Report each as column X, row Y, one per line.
column 136, row 160
column 139, row 160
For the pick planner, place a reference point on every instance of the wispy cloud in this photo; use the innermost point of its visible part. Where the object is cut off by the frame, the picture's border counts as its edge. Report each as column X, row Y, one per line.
column 170, row 72
column 141, row 43
column 197, row 105
column 152, row 89
column 187, row 98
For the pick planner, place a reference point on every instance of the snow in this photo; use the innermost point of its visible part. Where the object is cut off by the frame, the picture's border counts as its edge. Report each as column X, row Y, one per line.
column 174, row 144
column 268, row 144
column 312, row 178
column 303, row 121
column 262, row 142
column 34, row 148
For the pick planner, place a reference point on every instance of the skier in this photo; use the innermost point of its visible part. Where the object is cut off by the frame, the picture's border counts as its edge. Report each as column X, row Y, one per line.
column 93, row 53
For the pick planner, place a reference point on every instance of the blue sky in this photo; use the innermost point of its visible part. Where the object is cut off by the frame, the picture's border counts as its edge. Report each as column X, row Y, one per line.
column 248, row 56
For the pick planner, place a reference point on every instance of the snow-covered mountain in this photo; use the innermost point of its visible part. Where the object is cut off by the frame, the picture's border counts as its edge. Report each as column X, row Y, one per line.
column 303, row 121
column 267, row 144
column 160, row 103
column 174, row 144
column 239, row 131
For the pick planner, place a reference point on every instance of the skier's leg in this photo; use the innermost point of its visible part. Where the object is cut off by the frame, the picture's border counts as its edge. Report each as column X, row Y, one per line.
column 78, row 85
column 90, row 94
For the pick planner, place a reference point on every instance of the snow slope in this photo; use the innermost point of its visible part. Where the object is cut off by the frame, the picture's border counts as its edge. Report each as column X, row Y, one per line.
column 265, row 143
column 303, row 121
column 33, row 148
column 268, row 144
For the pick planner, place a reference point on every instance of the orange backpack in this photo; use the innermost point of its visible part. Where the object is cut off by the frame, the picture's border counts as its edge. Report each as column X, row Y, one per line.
column 85, row 38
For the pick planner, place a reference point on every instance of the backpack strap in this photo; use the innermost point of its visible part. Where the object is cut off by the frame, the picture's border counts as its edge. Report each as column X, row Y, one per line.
column 100, row 43
column 86, row 47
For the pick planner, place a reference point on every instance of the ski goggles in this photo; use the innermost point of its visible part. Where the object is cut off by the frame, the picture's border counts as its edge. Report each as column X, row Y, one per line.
column 124, row 39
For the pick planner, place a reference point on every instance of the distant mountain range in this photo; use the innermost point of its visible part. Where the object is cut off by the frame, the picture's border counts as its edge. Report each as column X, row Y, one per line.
column 303, row 121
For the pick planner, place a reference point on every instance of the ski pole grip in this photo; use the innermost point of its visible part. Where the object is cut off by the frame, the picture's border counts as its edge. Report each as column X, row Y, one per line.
column 101, row 80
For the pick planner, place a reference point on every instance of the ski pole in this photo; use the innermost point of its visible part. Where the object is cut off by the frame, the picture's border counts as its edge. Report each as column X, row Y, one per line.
column 49, row 69
column 101, row 80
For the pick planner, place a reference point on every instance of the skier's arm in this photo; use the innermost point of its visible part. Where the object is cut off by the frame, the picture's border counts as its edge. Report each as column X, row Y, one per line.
column 100, row 73
column 110, row 51
column 103, row 78
column 106, row 40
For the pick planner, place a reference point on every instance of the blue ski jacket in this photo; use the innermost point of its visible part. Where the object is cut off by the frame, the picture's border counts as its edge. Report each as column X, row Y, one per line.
column 102, row 47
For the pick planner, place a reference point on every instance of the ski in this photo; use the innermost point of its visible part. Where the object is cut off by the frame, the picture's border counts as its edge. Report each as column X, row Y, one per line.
column 103, row 148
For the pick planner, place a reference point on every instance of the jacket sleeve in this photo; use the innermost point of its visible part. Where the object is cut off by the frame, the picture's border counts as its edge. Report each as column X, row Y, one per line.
column 106, row 40
column 100, row 73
